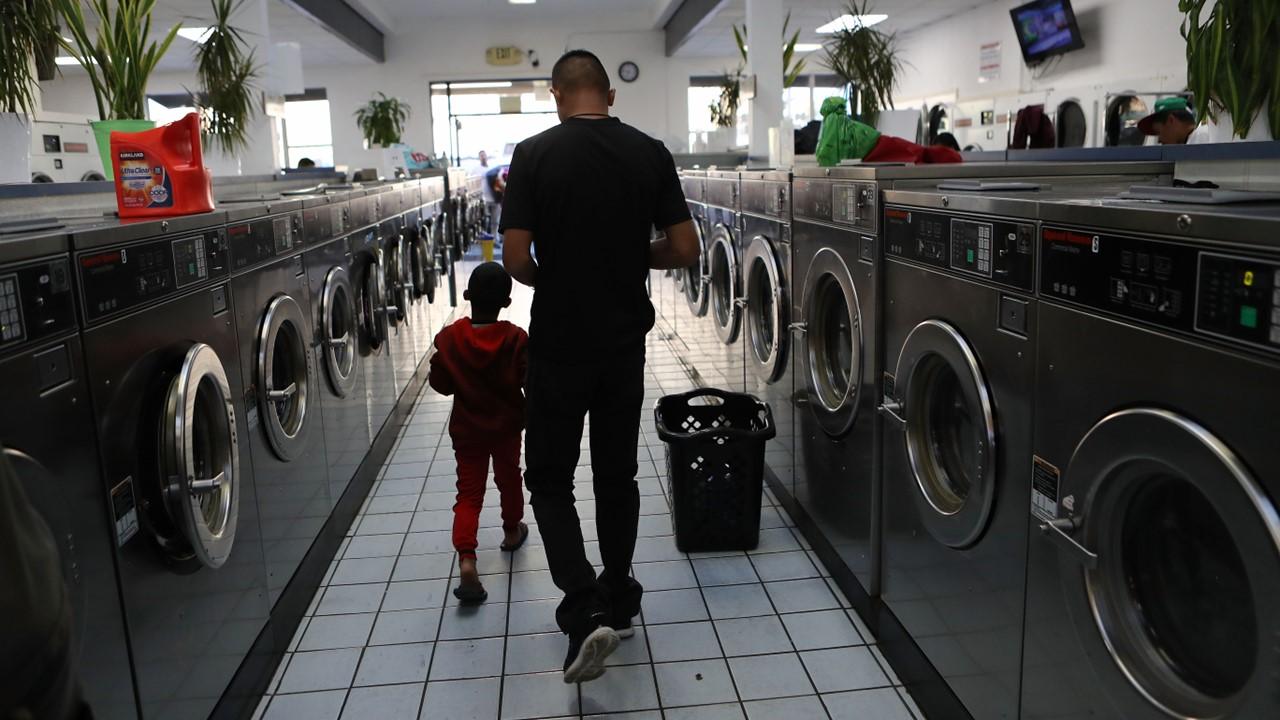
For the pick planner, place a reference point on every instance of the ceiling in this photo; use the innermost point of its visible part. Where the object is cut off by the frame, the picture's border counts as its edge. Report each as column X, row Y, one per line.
column 715, row 39
column 617, row 14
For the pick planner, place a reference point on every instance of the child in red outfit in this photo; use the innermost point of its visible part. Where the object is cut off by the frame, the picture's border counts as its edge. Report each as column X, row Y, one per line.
column 482, row 361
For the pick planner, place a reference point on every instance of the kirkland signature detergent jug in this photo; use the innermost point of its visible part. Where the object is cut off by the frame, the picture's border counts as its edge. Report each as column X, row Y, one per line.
column 161, row 172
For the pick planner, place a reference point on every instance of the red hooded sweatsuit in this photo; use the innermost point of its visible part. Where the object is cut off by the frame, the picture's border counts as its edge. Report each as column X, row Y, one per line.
column 483, row 367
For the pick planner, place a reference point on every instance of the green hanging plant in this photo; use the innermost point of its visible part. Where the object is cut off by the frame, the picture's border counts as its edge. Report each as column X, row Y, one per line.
column 792, row 66
column 867, row 60
column 227, row 71
column 724, row 111
column 26, row 27
column 1233, row 60
column 382, row 120
column 118, row 56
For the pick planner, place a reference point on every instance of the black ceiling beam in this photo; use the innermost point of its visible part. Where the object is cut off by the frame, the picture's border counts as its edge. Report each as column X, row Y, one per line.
column 687, row 20
column 344, row 22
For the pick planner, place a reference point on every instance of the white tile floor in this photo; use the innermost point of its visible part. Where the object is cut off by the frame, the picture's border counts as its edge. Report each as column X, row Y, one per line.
column 761, row 634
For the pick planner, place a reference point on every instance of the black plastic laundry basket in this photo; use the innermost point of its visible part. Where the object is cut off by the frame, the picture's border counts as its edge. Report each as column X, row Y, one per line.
column 715, row 464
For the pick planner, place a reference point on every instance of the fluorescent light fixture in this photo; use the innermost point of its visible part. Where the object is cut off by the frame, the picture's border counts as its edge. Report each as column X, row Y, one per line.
column 68, row 60
column 195, row 34
column 800, row 47
column 476, row 85
column 522, row 2
column 852, row 22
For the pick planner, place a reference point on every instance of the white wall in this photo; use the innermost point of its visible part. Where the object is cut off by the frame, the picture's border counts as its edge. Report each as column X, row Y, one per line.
column 1129, row 45
column 656, row 103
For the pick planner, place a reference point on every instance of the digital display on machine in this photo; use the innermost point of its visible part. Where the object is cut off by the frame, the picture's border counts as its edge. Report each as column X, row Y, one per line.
column 971, row 246
column 10, row 310
column 189, row 262
column 1239, row 298
column 1045, row 28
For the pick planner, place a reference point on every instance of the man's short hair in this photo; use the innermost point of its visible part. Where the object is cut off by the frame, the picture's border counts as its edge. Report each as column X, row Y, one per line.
column 580, row 70
column 489, row 286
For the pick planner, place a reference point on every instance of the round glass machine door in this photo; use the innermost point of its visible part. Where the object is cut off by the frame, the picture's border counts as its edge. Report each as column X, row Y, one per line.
column 338, row 325
column 949, row 432
column 832, row 322
column 723, row 262
column 200, row 456
column 1180, row 549
column 283, row 377
column 767, row 303
column 693, row 280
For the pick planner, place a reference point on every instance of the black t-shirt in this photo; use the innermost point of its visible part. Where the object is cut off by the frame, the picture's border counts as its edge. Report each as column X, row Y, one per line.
column 591, row 191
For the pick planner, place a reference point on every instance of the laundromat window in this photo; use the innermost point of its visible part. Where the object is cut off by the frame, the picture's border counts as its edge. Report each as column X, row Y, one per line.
column 468, row 116
column 308, row 128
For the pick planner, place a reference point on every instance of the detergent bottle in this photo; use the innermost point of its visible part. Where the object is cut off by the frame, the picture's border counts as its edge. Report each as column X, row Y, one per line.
column 161, row 172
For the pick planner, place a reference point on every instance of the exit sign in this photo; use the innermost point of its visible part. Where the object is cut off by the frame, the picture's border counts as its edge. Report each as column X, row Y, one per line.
column 504, row 56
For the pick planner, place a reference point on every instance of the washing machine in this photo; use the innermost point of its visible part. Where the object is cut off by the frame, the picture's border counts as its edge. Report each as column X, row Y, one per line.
column 687, row 287
column 1154, row 561
column 399, row 299
column 766, row 319
column 373, row 308
column 327, row 261
column 958, row 336
column 173, row 440
column 719, row 359
column 271, row 301
column 48, row 438
column 834, row 305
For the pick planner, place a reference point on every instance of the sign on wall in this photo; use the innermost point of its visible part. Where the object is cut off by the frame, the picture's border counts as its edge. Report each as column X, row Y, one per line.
column 504, row 55
column 988, row 62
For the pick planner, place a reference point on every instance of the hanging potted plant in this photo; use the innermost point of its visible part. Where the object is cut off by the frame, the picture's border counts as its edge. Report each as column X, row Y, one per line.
column 25, row 28
column 1233, row 66
column 119, row 60
column 382, row 120
column 867, row 60
column 226, row 70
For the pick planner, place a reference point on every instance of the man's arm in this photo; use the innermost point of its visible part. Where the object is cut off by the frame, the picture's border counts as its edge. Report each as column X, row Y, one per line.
column 677, row 248
column 517, row 255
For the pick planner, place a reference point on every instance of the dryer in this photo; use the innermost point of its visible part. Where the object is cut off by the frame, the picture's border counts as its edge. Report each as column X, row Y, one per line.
column 48, row 438
column 1154, row 562
column 327, row 261
column 766, row 319
column 165, row 382
column 271, row 301
column 720, row 362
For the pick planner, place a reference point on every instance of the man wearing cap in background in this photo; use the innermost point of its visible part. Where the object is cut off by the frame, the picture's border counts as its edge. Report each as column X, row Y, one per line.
column 1173, row 123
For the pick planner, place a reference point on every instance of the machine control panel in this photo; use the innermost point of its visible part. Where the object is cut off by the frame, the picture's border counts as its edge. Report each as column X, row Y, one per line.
column 1225, row 295
column 1238, row 298
column 855, row 204
column 116, row 280
column 35, row 302
column 992, row 248
column 317, row 224
column 254, row 242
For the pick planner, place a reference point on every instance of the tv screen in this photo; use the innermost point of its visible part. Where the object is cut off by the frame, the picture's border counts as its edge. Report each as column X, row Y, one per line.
column 1045, row 28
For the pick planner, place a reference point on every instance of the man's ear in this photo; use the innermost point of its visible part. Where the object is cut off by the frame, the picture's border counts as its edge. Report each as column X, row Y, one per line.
column 555, row 94
column 466, row 295
column 612, row 93
column 507, row 304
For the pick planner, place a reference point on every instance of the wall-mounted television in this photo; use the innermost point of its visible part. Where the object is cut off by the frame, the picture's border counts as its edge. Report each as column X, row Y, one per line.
column 1046, row 28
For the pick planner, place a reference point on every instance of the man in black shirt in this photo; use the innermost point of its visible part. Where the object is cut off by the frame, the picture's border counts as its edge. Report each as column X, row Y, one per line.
column 586, row 195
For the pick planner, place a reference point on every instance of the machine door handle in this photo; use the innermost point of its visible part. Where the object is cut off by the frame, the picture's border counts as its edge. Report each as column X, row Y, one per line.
column 892, row 411
column 208, row 484
column 340, row 341
column 283, row 394
column 740, row 302
column 1056, row 531
column 799, row 328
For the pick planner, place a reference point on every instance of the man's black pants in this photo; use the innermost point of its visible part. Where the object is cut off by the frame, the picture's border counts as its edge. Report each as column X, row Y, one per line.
column 610, row 389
